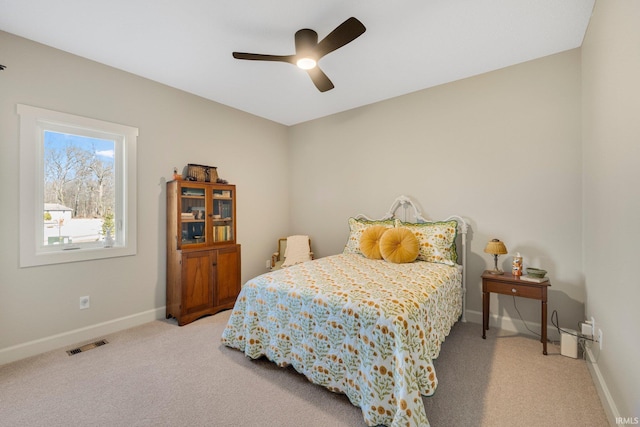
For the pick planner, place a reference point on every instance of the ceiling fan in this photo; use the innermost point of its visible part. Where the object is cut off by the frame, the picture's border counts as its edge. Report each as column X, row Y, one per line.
column 309, row 50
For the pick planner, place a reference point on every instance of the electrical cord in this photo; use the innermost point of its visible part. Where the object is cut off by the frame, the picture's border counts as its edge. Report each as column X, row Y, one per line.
column 555, row 315
column 555, row 322
column 525, row 323
column 582, row 339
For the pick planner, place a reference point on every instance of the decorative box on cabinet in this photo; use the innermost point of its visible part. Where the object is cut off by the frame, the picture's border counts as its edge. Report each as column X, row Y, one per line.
column 203, row 258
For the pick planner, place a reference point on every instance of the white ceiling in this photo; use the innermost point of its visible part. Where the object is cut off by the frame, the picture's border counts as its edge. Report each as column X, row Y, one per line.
column 409, row 45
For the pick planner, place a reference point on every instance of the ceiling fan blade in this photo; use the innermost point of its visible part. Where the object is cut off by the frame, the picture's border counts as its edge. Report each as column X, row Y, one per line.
column 260, row 57
column 320, row 79
column 344, row 33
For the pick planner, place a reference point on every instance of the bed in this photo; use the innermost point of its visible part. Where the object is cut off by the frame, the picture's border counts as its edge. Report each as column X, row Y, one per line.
column 364, row 327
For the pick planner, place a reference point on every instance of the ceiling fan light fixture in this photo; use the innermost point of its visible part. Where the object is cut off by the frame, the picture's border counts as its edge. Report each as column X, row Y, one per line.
column 306, row 63
column 309, row 50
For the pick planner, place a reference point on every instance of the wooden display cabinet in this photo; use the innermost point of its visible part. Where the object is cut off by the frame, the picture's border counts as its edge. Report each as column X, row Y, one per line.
column 203, row 258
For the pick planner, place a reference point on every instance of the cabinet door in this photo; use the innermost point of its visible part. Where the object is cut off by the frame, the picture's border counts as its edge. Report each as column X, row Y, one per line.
column 224, row 214
column 192, row 214
column 227, row 285
column 197, row 281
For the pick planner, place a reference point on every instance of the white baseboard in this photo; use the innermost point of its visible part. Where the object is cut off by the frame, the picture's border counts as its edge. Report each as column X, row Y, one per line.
column 516, row 325
column 32, row 348
column 610, row 408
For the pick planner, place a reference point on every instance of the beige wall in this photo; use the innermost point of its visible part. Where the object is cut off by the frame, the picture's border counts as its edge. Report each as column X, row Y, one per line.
column 611, row 132
column 501, row 149
column 39, row 305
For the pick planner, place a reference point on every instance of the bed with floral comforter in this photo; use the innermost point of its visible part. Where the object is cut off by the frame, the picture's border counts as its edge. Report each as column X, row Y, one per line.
column 367, row 328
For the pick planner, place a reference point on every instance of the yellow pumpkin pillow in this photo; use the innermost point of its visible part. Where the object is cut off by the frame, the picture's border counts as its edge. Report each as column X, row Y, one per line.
column 370, row 241
column 399, row 245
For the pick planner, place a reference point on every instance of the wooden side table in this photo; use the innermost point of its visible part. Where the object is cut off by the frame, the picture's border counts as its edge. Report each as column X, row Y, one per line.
column 508, row 284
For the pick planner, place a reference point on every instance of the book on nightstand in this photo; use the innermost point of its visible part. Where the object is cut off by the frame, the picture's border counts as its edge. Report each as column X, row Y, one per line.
column 534, row 279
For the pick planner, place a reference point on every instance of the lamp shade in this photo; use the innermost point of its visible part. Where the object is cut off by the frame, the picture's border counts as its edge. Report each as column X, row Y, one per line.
column 495, row 247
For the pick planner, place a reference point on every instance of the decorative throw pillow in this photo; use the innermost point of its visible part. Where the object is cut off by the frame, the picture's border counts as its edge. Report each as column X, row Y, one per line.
column 399, row 245
column 356, row 227
column 437, row 240
column 370, row 241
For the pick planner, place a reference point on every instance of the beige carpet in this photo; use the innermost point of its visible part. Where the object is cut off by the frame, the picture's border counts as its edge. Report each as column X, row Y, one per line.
column 160, row 374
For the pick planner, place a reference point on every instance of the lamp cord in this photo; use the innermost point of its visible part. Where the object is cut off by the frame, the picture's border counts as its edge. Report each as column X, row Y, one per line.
column 525, row 323
column 554, row 314
column 554, row 322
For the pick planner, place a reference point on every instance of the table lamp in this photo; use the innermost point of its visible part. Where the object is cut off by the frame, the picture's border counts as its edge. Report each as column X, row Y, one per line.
column 495, row 247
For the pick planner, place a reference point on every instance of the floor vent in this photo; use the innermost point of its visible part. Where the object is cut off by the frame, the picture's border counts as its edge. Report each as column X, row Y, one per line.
column 87, row 347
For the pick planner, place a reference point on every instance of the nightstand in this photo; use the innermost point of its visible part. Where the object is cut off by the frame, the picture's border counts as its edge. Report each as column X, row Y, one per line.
column 507, row 284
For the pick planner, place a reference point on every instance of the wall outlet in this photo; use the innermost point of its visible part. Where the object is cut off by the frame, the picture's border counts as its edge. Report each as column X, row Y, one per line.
column 593, row 326
column 85, row 302
column 600, row 338
column 268, row 263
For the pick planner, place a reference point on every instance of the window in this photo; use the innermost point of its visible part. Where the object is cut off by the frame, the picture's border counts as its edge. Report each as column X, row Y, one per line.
column 77, row 188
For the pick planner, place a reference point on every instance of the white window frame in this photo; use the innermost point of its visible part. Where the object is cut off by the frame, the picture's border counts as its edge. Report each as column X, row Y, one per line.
column 34, row 122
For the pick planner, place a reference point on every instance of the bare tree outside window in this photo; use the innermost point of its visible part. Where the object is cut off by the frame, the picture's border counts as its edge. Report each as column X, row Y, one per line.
column 79, row 188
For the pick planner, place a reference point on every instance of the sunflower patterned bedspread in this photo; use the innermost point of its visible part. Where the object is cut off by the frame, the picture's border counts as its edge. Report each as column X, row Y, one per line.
column 365, row 328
